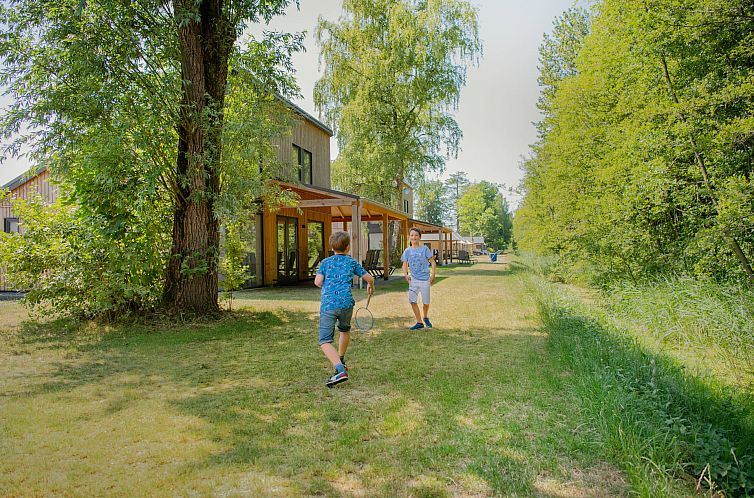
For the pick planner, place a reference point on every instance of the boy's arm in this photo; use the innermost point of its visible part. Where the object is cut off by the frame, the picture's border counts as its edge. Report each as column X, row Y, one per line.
column 405, row 271
column 319, row 280
column 434, row 269
column 370, row 283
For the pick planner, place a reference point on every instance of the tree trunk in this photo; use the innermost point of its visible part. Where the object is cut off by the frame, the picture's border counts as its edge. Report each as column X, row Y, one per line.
column 191, row 282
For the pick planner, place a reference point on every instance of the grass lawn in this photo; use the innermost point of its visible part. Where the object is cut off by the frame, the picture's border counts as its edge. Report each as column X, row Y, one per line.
column 473, row 407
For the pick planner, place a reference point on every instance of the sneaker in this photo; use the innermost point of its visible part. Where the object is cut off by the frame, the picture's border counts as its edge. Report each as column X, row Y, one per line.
column 337, row 378
column 427, row 323
column 416, row 326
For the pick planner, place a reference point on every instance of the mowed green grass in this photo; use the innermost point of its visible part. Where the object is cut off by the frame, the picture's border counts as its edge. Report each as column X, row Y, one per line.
column 238, row 407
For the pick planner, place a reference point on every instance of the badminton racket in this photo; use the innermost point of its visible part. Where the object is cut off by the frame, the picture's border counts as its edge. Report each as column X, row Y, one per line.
column 364, row 319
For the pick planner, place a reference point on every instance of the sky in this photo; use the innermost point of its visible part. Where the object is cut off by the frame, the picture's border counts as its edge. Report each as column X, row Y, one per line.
column 497, row 107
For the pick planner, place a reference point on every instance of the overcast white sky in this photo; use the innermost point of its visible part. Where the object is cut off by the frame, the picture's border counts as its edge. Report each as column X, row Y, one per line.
column 498, row 104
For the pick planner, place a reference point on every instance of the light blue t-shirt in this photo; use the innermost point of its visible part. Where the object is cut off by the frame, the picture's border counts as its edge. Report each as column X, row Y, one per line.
column 338, row 271
column 418, row 261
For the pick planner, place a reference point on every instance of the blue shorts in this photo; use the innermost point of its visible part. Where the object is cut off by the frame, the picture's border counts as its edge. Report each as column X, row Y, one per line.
column 327, row 319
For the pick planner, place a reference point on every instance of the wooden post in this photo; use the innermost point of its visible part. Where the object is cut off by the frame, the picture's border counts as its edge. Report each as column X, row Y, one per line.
column 441, row 239
column 405, row 233
column 356, row 233
column 385, row 247
column 303, row 246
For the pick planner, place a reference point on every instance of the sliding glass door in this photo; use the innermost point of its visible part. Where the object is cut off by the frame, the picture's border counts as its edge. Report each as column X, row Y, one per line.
column 287, row 250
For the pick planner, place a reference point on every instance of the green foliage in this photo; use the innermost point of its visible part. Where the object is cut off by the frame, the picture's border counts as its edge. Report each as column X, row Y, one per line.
column 643, row 165
column 706, row 323
column 98, row 97
column 232, row 268
column 456, row 185
column 78, row 264
column 483, row 211
column 432, row 203
column 658, row 418
column 393, row 74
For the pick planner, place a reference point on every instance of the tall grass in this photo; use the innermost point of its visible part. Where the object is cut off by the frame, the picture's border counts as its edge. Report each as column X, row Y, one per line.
column 660, row 419
column 711, row 325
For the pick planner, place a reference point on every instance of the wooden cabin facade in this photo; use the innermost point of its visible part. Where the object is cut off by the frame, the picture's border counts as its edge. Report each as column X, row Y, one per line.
column 24, row 187
column 285, row 245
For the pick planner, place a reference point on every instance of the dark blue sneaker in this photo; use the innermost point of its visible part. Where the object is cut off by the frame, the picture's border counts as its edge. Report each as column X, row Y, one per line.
column 337, row 378
column 427, row 323
column 416, row 326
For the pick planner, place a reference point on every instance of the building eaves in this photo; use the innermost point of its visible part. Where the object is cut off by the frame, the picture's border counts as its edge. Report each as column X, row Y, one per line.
column 316, row 122
column 23, row 178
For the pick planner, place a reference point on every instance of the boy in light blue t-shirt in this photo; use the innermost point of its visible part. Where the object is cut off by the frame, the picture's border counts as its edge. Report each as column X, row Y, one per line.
column 417, row 258
column 334, row 276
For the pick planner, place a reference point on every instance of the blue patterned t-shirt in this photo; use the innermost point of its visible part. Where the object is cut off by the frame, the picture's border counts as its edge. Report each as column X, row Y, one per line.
column 418, row 261
column 338, row 271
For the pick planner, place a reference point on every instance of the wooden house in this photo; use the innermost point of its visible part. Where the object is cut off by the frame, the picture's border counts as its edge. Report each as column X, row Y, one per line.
column 24, row 187
column 285, row 245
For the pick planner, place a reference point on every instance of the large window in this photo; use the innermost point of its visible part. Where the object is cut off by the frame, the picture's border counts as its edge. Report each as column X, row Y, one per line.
column 287, row 245
column 302, row 159
column 316, row 245
column 11, row 225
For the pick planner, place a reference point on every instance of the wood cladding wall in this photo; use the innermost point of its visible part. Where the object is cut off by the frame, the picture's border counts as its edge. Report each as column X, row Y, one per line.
column 37, row 185
column 312, row 138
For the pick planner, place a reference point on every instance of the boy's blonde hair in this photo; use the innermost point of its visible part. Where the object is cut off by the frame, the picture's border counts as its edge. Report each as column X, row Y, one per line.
column 339, row 241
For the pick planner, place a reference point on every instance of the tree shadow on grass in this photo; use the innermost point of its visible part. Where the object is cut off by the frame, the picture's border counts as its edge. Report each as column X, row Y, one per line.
column 402, row 416
column 422, row 411
column 495, row 270
column 121, row 351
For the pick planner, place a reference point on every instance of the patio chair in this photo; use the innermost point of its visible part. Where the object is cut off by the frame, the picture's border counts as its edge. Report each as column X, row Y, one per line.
column 372, row 263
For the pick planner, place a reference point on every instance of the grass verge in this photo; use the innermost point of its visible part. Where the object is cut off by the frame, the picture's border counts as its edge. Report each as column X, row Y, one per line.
column 660, row 415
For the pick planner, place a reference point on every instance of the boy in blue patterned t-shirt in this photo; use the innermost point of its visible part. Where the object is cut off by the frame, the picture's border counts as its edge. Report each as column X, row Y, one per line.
column 334, row 276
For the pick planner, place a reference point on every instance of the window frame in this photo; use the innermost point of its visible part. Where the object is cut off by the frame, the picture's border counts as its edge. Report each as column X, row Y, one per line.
column 8, row 221
column 301, row 163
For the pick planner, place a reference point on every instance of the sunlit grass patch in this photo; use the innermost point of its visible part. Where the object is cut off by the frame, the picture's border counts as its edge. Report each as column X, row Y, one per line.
column 473, row 407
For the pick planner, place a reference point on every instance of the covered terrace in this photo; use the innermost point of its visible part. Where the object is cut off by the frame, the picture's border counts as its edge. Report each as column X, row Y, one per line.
column 378, row 232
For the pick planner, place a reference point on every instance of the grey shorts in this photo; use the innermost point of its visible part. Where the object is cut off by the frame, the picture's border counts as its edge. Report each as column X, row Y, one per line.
column 416, row 287
column 327, row 319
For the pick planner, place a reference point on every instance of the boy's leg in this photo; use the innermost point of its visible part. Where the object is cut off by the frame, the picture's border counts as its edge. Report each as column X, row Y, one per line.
column 327, row 320
column 413, row 297
column 425, row 301
column 344, row 327
column 417, row 313
column 331, row 353
column 343, row 341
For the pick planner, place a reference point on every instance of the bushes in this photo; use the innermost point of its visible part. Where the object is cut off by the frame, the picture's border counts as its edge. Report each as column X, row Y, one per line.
column 85, row 266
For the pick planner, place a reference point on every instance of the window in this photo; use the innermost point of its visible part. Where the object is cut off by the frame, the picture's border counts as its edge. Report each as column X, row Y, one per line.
column 405, row 205
column 302, row 159
column 11, row 225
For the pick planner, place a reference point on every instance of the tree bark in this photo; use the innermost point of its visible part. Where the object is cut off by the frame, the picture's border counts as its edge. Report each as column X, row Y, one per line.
column 191, row 283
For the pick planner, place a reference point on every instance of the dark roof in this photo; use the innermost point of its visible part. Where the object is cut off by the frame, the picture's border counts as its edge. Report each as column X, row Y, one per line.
column 23, row 178
column 316, row 122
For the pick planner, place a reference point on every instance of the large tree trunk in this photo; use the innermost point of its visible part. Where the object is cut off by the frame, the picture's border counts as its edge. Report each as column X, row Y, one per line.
column 191, row 278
